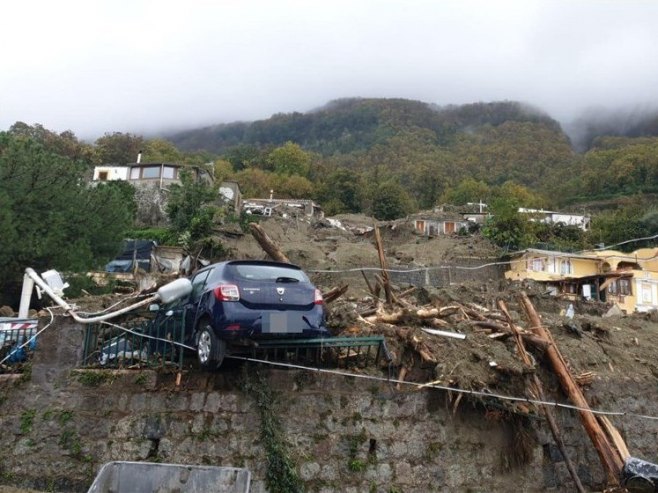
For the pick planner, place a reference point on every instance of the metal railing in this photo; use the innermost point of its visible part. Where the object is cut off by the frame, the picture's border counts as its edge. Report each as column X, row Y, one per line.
column 336, row 352
column 17, row 343
column 141, row 344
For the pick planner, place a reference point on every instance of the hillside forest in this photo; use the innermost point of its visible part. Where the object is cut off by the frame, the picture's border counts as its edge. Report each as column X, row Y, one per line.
column 383, row 157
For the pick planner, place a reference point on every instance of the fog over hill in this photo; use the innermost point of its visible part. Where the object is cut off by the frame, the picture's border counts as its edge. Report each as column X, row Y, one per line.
column 349, row 123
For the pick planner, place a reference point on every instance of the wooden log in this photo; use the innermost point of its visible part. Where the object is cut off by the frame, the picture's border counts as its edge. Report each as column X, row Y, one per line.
column 267, row 244
column 370, row 288
column 407, row 292
column 427, row 312
column 615, row 436
column 537, row 389
column 368, row 312
column 401, row 375
column 384, row 265
column 437, row 322
column 610, row 458
column 335, row 293
column 390, row 318
column 448, row 310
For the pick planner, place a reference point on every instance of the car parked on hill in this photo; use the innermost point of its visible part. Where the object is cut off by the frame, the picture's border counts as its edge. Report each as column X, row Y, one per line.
column 236, row 302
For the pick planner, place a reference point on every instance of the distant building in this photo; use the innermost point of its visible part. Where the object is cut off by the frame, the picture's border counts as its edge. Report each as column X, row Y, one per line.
column 267, row 207
column 552, row 217
column 229, row 193
column 110, row 173
column 438, row 224
column 159, row 174
column 629, row 280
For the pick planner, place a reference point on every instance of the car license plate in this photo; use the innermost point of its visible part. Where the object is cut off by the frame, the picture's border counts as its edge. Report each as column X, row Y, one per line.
column 277, row 323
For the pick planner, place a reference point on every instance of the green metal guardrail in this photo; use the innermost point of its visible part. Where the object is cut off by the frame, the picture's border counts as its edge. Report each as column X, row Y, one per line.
column 147, row 343
column 334, row 351
column 151, row 343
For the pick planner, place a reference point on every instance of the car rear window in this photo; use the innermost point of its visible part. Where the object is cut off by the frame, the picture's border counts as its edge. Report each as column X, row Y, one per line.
column 264, row 272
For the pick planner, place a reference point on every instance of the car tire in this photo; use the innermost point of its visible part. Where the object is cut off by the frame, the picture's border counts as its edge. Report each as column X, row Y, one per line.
column 210, row 349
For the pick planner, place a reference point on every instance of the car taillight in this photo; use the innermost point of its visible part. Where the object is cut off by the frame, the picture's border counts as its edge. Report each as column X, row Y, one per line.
column 227, row 292
column 318, row 298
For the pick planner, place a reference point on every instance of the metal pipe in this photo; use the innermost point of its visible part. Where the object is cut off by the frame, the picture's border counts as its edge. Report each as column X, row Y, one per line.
column 69, row 309
column 26, row 295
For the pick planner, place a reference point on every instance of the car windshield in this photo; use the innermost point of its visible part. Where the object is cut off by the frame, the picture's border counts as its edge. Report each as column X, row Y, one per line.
column 254, row 272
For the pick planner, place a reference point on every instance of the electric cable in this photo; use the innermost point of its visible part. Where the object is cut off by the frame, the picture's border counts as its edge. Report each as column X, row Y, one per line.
column 390, row 381
column 619, row 255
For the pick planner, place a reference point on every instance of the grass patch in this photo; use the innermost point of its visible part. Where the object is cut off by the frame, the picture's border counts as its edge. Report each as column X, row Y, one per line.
column 27, row 420
column 92, row 378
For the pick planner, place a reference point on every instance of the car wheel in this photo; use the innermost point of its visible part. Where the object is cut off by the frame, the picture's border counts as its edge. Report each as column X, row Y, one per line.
column 210, row 349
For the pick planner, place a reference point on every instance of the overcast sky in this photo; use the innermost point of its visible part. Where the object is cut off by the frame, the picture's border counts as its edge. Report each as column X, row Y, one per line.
column 144, row 66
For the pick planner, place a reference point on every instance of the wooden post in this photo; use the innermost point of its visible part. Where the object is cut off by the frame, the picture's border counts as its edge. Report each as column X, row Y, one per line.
column 384, row 265
column 537, row 389
column 267, row 244
column 370, row 288
column 610, row 458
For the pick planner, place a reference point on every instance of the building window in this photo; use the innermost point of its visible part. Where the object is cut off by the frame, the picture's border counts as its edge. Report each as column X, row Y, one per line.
column 646, row 293
column 625, row 287
column 620, row 287
column 134, row 173
column 537, row 264
column 565, row 267
column 169, row 172
column 102, row 175
column 151, row 172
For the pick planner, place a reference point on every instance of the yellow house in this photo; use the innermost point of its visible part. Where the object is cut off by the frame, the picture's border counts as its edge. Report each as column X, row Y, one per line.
column 633, row 284
column 629, row 280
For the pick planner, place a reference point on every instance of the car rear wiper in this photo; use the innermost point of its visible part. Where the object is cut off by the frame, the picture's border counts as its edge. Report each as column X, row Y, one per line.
column 286, row 279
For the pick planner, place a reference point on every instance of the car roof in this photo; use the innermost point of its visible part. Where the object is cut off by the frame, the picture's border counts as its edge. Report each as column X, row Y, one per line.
column 248, row 262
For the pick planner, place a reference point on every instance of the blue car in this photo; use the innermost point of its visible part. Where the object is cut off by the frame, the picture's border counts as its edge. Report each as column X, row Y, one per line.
column 236, row 302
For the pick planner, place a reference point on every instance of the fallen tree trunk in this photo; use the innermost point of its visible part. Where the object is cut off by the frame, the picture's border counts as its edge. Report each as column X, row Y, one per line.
column 267, row 244
column 335, row 293
column 537, row 390
column 610, row 458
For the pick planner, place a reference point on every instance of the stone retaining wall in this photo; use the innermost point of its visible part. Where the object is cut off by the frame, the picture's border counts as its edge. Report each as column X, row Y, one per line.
column 59, row 425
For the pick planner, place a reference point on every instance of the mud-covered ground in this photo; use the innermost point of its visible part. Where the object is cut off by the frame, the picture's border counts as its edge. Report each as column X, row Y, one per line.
column 593, row 346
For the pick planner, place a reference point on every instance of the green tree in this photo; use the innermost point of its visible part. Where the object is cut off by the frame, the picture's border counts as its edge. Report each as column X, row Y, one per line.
column 119, row 148
column 254, row 182
column 243, row 156
column 292, row 187
column 50, row 218
column 161, row 151
column 468, row 190
column 63, row 144
column 507, row 227
column 290, row 159
column 523, row 196
column 222, row 170
column 189, row 207
column 342, row 191
column 628, row 222
column 391, row 201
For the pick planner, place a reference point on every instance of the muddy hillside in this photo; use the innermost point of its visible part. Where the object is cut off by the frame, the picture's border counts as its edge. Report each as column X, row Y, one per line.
column 482, row 384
